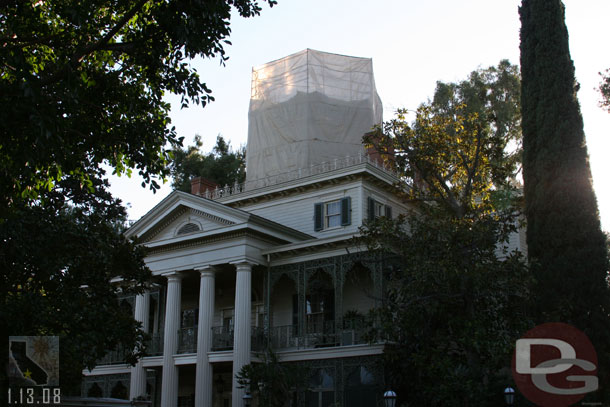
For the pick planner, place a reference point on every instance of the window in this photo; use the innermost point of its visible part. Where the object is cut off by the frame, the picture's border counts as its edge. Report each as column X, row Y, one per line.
column 321, row 389
column 377, row 209
column 332, row 214
column 188, row 228
column 332, row 217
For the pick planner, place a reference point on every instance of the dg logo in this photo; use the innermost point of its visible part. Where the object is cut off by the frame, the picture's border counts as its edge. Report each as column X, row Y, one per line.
column 555, row 364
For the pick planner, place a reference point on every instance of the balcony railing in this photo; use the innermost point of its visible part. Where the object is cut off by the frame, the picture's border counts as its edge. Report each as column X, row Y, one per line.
column 115, row 357
column 222, row 338
column 187, row 340
column 315, row 336
column 336, row 164
column 154, row 346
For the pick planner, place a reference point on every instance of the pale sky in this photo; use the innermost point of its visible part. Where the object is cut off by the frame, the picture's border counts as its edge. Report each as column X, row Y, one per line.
column 412, row 43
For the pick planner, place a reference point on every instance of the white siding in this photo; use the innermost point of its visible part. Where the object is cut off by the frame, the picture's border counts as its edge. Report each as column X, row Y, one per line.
column 297, row 212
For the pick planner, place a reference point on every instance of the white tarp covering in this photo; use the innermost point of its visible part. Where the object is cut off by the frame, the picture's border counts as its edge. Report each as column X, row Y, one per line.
column 309, row 108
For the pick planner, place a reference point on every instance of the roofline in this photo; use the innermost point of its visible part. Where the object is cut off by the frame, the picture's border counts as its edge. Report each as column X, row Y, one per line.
column 362, row 168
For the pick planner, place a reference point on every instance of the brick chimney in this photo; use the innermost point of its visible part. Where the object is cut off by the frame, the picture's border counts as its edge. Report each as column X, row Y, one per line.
column 199, row 185
column 372, row 152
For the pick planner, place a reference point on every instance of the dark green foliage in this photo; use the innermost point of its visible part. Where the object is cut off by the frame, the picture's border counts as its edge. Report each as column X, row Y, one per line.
column 82, row 83
column 57, row 261
column 566, row 246
column 455, row 304
column 273, row 383
column 604, row 89
column 222, row 166
column 453, row 307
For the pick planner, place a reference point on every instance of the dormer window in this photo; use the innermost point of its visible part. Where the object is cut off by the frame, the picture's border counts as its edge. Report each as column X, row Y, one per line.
column 332, row 214
column 188, row 228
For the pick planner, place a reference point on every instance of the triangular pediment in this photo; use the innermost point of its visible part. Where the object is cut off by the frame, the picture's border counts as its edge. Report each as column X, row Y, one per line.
column 182, row 214
column 183, row 221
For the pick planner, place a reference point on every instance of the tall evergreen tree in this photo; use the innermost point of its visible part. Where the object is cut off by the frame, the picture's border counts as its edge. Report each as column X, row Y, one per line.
column 566, row 245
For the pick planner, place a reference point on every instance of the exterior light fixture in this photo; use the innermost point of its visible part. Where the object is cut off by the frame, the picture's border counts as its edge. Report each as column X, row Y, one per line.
column 509, row 396
column 389, row 398
column 247, row 399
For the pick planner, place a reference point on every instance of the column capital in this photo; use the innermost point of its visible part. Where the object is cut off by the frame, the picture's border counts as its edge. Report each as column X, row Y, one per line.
column 243, row 265
column 173, row 276
column 207, row 271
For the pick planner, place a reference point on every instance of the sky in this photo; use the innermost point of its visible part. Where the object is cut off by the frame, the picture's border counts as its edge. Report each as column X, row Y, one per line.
column 412, row 43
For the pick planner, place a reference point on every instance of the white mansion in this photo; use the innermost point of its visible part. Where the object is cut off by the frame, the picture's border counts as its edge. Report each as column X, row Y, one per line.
column 269, row 262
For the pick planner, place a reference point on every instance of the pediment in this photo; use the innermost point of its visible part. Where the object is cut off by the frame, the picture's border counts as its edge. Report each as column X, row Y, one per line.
column 184, row 221
column 181, row 214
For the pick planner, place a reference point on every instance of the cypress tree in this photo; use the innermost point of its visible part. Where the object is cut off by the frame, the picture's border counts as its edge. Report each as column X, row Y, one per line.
column 566, row 246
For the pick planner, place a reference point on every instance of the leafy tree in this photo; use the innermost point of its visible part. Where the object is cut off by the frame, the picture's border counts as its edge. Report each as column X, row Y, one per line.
column 223, row 165
column 604, row 89
column 82, row 84
column 463, row 145
column 57, row 261
column 454, row 304
column 272, row 382
column 566, row 246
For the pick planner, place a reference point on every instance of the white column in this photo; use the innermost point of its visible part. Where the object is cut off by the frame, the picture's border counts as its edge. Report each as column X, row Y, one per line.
column 137, row 386
column 203, row 378
column 169, row 380
column 242, row 329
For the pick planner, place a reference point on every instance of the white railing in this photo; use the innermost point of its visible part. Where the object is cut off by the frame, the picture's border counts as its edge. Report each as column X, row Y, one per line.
column 336, row 164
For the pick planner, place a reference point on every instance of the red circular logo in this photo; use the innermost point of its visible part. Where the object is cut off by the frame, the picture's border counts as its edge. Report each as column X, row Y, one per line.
column 555, row 364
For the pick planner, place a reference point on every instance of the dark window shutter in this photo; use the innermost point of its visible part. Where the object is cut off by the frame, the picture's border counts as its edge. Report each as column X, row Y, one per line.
column 346, row 211
column 371, row 208
column 318, row 217
column 388, row 212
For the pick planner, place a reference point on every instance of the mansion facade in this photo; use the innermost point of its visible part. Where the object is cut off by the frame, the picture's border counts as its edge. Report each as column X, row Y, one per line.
column 237, row 271
column 270, row 263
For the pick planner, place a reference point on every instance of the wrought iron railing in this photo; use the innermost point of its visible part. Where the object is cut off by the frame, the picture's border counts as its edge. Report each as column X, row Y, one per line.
column 315, row 336
column 336, row 164
column 115, row 357
column 154, row 346
column 187, row 340
column 222, row 338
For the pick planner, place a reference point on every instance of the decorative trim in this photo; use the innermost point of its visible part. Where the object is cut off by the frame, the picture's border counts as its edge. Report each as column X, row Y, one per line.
column 149, row 235
column 212, row 239
column 211, row 217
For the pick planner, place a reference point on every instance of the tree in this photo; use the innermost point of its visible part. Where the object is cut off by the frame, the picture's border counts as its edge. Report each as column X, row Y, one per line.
column 567, row 248
column 222, row 166
column 604, row 89
column 454, row 303
column 58, row 261
column 82, row 84
column 272, row 382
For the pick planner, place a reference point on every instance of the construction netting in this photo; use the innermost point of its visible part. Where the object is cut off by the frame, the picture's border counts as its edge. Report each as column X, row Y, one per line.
column 308, row 108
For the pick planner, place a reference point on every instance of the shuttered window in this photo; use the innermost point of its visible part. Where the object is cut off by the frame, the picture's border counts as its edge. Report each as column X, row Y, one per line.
column 318, row 215
column 346, row 211
column 377, row 209
column 332, row 214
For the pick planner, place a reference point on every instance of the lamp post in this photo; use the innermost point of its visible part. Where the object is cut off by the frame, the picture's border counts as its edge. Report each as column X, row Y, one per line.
column 509, row 396
column 389, row 398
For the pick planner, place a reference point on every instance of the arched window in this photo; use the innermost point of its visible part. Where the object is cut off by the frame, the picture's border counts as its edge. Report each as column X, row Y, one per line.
column 188, row 228
column 360, row 388
column 95, row 391
column 321, row 389
column 119, row 391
